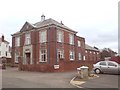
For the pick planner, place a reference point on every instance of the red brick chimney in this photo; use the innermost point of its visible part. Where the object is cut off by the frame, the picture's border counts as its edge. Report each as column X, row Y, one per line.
column 2, row 38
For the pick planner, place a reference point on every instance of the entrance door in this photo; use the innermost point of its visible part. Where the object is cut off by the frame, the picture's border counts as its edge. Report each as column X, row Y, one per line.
column 28, row 58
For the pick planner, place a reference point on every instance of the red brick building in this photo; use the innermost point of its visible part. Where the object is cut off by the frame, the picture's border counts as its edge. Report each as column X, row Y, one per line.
column 48, row 46
column 92, row 54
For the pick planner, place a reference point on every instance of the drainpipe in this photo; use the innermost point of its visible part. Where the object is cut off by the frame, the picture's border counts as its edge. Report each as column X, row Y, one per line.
column 48, row 45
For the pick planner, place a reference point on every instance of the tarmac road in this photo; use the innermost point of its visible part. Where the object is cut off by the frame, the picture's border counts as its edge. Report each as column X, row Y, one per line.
column 12, row 78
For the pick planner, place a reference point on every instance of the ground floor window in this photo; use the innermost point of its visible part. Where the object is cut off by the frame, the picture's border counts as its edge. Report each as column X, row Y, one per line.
column 43, row 55
column 16, row 58
column 79, row 56
column 60, row 54
column 72, row 55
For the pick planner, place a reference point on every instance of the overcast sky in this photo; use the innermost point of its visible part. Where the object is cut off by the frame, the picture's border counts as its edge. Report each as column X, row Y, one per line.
column 95, row 20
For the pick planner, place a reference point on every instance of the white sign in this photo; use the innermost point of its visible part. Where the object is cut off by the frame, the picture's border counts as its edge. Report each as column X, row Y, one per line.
column 56, row 66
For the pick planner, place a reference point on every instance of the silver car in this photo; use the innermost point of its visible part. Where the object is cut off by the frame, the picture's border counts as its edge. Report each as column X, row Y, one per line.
column 107, row 67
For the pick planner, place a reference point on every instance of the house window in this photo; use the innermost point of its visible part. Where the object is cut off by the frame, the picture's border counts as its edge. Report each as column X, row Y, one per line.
column 60, row 36
column 6, row 53
column 16, row 57
column 43, row 36
column 83, row 57
column 17, row 41
column 71, row 39
column 60, row 54
column 86, row 51
column 79, row 43
column 79, row 56
column 43, row 55
column 27, row 39
column 72, row 55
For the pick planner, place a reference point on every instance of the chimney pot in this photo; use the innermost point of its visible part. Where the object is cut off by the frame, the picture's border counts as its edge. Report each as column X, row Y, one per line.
column 43, row 17
column 2, row 38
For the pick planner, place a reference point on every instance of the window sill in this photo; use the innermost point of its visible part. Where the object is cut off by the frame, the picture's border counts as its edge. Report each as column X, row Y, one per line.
column 42, row 61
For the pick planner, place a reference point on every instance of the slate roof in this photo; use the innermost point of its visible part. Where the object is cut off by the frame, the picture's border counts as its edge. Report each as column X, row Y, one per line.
column 47, row 22
column 90, row 48
column 51, row 21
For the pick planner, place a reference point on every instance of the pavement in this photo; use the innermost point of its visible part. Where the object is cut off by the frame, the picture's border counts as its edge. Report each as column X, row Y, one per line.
column 103, row 81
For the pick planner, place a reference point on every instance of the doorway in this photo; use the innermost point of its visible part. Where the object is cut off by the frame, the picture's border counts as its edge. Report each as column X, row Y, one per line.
column 28, row 58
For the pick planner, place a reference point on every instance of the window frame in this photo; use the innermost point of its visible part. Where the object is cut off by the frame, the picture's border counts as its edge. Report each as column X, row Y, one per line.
column 43, row 36
column 71, row 39
column 79, row 56
column 17, row 41
column 72, row 55
column 60, row 36
column 27, row 38
column 61, row 52
column 42, row 54
column 79, row 43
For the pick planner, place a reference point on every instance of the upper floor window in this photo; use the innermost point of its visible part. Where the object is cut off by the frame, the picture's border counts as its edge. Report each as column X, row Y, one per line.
column 17, row 41
column 43, row 36
column 43, row 55
column 60, row 36
column 79, row 43
column 27, row 38
column 71, row 39
column 72, row 55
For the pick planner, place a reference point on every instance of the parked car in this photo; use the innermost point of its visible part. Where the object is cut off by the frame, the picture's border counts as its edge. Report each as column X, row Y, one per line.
column 106, row 67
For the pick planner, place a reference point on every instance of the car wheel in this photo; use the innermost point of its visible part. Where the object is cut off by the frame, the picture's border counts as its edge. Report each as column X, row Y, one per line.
column 97, row 71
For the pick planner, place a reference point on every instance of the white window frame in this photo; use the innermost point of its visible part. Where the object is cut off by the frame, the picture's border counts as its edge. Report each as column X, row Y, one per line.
column 71, row 39
column 84, row 58
column 16, row 58
column 72, row 55
column 27, row 38
column 60, row 36
column 79, row 43
column 17, row 41
column 79, row 56
column 61, row 52
column 43, row 36
column 42, row 55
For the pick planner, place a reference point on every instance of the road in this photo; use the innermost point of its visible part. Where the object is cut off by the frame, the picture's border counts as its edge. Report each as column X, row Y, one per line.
column 12, row 78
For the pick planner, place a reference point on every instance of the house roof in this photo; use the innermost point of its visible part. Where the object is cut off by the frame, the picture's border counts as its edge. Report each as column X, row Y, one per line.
column 51, row 21
column 47, row 22
column 90, row 48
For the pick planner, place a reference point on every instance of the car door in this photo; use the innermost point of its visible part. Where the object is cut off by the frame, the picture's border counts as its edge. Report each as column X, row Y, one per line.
column 112, row 68
column 103, row 66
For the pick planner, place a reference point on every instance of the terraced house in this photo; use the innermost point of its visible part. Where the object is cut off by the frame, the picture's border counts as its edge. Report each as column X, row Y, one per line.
column 48, row 46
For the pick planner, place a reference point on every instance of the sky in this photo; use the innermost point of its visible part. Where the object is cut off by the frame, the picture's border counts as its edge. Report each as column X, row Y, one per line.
column 95, row 20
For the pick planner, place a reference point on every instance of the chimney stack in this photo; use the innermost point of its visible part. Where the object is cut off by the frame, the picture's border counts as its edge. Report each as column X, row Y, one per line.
column 2, row 38
column 42, row 18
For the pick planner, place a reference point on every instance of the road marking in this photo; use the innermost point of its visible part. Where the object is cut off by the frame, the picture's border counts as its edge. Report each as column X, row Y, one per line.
column 71, row 82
